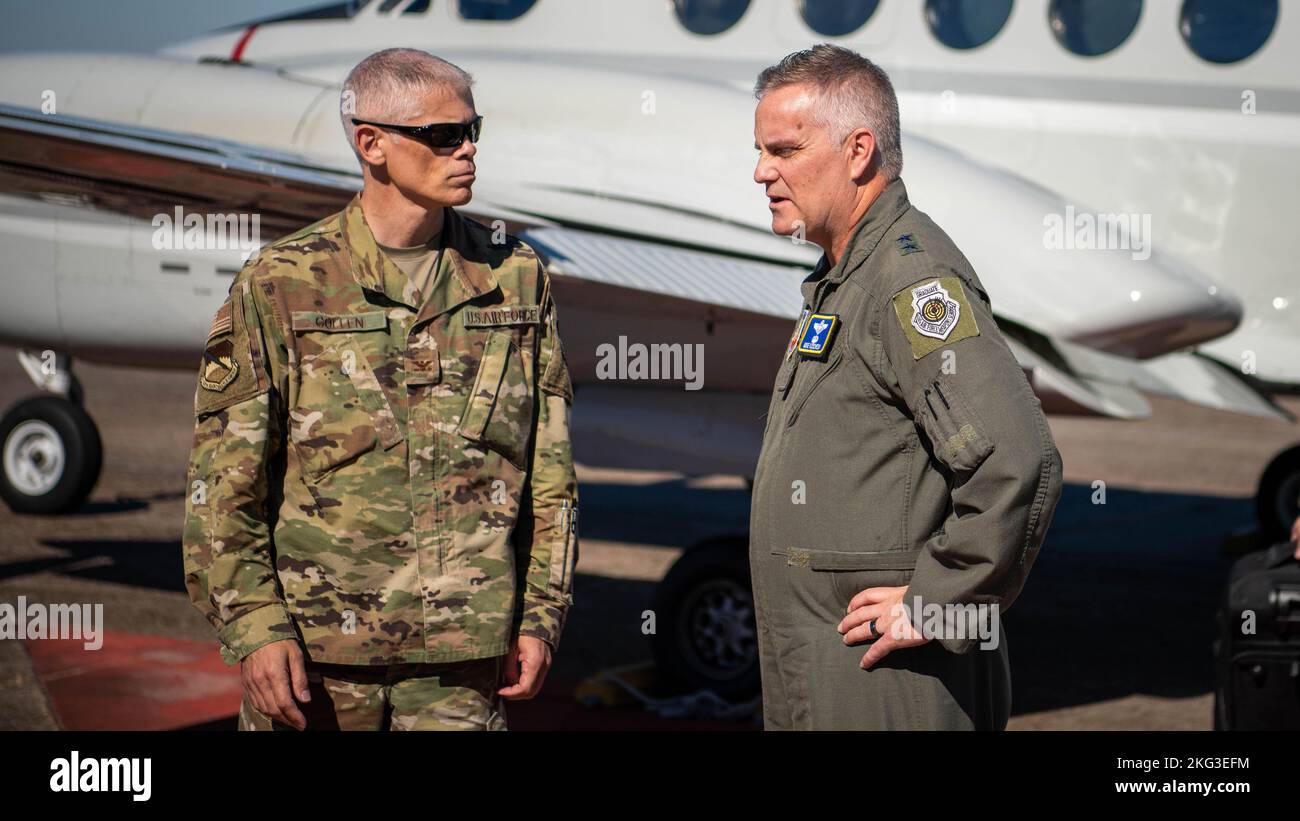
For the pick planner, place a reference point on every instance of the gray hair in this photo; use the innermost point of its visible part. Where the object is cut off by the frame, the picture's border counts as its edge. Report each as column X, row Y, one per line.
column 855, row 93
column 388, row 86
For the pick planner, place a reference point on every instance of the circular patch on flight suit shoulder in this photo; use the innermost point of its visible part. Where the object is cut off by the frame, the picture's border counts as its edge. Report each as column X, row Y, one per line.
column 935, row 310
column 934, row 313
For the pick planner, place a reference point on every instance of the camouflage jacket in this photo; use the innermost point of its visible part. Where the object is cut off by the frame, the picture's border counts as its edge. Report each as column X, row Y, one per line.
column 381, row 474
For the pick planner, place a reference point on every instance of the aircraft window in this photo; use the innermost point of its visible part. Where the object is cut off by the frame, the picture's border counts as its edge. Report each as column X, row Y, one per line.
column 709, row 16
column 1093, row 27
column 836, row 18
column 493, row 9
column 966, row 23
column 416, row 7
column 1228, row 30
column 387, row 6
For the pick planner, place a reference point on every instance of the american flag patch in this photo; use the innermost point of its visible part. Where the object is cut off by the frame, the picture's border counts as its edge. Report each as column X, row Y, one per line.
column 221, row 323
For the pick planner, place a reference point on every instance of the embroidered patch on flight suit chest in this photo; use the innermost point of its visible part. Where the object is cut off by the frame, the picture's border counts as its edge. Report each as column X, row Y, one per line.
column 818, row 333
column 934, row 313
column 794, row 337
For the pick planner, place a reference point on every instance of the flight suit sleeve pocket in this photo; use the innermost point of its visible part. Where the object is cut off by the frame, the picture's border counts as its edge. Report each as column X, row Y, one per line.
column 957, row 435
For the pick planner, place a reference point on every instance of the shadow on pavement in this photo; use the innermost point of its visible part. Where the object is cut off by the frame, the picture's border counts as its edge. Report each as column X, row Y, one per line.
column 1121, row 600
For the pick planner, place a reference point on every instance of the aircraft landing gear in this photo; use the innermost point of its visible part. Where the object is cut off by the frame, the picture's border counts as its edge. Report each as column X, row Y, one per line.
column 706, row 637
column 50, row 449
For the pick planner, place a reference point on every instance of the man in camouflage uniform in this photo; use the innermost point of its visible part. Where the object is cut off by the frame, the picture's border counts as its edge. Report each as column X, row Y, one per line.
column 907, row 476
column 381, row 476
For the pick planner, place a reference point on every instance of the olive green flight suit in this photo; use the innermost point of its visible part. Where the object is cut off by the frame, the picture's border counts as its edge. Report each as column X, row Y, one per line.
column 903, row 447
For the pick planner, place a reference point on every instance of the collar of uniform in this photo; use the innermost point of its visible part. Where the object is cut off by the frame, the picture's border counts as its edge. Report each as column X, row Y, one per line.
column 464, row 270
column 471, row 276
column 883, row 213
column 372, row 269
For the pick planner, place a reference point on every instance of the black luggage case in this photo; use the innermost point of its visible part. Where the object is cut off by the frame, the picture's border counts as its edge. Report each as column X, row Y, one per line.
column 1258, row 675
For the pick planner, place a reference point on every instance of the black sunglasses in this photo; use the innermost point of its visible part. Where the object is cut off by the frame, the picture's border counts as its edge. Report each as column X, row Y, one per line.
column 435, row 135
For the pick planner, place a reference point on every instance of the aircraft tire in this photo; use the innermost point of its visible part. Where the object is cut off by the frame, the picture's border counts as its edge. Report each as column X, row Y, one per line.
column 51, row 453
column 1278, row 501
column 705, row 636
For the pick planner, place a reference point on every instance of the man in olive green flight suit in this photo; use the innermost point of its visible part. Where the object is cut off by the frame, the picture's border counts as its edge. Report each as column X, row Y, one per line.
column 908, row 475
column 382, row 519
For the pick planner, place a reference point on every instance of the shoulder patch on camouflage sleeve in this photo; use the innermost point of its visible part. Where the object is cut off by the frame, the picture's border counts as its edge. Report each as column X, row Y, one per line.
column 934, row 313
column 221, row 322
column 231, row 368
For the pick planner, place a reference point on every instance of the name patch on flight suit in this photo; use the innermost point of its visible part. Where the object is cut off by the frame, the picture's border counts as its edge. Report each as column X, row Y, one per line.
column 818, row 332
column 933, row 314
column 503, row 315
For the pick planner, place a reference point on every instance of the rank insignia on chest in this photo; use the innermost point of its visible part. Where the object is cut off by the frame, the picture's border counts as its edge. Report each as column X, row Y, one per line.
column 818, row 333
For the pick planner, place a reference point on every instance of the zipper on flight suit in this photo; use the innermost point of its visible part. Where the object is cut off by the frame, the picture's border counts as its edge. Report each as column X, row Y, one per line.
column 942, row 398
column 803, row 398
column 944, row 425
column 934, row 412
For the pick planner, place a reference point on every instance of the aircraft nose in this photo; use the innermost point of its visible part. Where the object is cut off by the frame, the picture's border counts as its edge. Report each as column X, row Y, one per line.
column 1149, row 307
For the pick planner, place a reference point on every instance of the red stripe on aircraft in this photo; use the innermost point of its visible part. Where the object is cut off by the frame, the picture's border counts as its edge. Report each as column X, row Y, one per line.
column 237, row 53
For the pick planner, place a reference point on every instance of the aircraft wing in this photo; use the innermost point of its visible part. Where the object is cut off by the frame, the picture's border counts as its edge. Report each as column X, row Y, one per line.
column 142, row 171
column 1072, row 378
column 749, row 294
